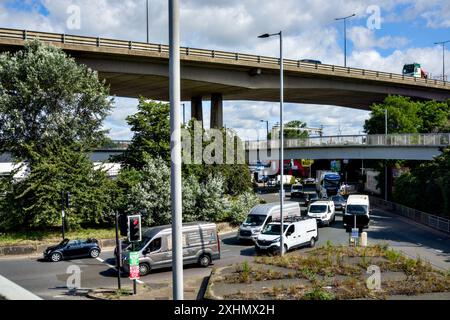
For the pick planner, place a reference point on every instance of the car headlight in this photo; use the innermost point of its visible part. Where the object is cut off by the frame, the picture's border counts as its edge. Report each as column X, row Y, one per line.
column 256, row 230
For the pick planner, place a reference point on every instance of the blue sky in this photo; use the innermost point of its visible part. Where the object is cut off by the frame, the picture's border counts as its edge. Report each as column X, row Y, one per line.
column 408, row 30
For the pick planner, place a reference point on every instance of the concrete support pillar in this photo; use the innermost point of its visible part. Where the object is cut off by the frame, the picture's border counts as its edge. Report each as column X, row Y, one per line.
column 216, row 111
column 196, row 108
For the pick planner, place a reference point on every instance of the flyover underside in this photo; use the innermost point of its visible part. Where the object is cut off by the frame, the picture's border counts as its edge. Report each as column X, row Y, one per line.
column 150, row 79
column 155, row 87
column 374, row 153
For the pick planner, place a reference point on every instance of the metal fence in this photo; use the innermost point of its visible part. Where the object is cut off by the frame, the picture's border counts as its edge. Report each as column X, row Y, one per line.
column 220, row 57
column 432, row 139
column 424, row 218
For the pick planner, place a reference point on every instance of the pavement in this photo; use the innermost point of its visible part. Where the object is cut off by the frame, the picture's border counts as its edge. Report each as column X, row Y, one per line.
column 49, row 280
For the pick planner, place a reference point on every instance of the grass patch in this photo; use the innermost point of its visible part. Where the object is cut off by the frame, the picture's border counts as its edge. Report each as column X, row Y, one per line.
column 44, row 237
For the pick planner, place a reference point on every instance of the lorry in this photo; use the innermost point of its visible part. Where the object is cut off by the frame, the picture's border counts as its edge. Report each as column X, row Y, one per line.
column 260, row 215
column 414, row 70
column 328, row 183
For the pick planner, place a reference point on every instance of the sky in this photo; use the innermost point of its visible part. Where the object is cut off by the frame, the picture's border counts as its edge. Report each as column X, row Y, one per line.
column 383, row 36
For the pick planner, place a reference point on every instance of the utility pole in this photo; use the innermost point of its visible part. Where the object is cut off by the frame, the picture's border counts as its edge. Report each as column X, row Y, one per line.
column 175, row 148
column 443, row 57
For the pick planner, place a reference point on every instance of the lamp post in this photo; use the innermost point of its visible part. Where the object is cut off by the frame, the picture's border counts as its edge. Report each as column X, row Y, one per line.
column 175, row 148
column 147, row 22
column 267, row 128
column 267, row 35
column 385, row 161
column 345, row 36
column 443, row 57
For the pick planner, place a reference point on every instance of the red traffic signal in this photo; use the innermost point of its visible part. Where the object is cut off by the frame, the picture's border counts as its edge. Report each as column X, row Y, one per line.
column 134, row 228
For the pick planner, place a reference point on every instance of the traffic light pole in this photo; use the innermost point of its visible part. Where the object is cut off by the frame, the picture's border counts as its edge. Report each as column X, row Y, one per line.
column 118, row 252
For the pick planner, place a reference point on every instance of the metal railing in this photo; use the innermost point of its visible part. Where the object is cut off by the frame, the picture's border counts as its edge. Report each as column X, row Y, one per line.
column 427, row 219
column 220, row 56
column 411, row 140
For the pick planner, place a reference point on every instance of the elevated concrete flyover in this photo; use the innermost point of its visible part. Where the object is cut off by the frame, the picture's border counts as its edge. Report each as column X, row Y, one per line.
column 135, row 68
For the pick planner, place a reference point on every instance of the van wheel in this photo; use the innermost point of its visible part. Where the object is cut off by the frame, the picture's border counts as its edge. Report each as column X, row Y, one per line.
column 144, row 269
column 312, row 242
column 204, row 261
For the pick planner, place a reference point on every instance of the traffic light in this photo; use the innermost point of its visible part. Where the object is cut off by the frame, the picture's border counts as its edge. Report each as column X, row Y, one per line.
column 134, row 228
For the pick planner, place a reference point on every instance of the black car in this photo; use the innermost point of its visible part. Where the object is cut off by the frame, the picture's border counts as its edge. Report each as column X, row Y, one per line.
column 339, row 202
column 67, row 249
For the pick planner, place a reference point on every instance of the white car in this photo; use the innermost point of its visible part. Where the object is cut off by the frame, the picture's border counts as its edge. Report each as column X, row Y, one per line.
column 298, row 232
column 323, row 211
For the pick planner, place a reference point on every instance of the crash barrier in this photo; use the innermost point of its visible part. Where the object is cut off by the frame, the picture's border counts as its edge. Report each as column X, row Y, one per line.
column 424, row 218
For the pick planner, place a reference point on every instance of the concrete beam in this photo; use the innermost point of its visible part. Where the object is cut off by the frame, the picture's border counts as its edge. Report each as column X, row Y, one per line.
column 216, row 111
column 196, row 108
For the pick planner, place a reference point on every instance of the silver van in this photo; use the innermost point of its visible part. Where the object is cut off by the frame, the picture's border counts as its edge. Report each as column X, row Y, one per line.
column 201, row 244
column 263, row 214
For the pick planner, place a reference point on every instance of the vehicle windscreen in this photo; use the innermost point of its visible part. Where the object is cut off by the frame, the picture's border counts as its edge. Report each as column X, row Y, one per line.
column 337, row 199
column 274, row 229
column 138, row 246
column 314, row 196
column 309, row 188
column 64, row 242
column 317, row 208
column 331, row 183
column 255, row 219
column 408, row 68
column 297, row 188
column 357, row 209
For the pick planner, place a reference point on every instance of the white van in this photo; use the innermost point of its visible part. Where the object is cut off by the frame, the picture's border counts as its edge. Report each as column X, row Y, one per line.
column 263, row 214
column 323, row 211
column 298, row 231
column 357, row 211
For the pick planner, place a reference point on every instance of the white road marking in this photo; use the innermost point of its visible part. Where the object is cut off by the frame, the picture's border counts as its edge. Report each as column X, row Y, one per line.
column 114, row 267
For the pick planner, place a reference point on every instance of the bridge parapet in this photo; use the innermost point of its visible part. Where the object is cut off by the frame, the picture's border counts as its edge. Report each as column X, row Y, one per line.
column 378, row 140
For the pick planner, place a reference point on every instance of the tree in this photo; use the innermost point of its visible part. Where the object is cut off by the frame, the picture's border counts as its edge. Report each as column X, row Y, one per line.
column 151, row 134
column 435, row 116
column 45, row 96
column 151, row 196
column 241, row 206
column 402, row 116
column 292, row 130
column 427, row 187
column 36, row 200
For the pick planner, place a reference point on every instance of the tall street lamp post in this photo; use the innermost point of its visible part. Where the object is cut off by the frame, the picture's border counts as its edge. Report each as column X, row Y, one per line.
column 148, row 40
column 267, row 35
column 345, row 36
column 267, row 128
column 175, row 148
column 443, row 57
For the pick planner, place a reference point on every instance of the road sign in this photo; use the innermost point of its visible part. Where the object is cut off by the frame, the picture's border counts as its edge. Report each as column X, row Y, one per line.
column 134, row 258
column 354, row 237
column 307, row 162
column 134, row 273
column 134, row 265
